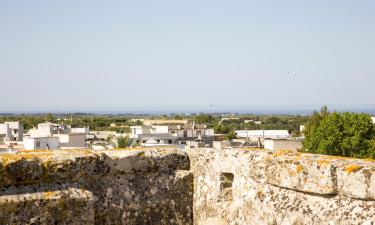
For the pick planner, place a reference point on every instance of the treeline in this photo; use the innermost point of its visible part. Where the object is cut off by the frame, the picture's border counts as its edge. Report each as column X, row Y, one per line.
column 267, row 122
column 94, row 122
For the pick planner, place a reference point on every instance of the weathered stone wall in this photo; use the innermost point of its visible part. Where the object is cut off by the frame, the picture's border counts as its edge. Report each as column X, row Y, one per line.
column 150, row 186
column 234, row 186
column 80, row 187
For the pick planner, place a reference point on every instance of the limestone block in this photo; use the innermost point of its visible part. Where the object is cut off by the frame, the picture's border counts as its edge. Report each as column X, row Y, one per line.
column 301, row 174
column 146, row 160
column 70, row 206
column 357, row 180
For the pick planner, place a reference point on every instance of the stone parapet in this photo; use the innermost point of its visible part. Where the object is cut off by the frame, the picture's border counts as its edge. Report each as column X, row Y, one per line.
column 280, row 187
column 196, row 186
column 146, row 186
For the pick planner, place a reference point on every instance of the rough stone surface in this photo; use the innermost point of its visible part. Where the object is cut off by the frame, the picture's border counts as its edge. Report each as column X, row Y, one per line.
column 281, row 188
column 169, row 186
column 81, row 187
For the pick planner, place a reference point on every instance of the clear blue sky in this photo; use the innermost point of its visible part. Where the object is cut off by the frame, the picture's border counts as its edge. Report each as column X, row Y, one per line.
column 186, row 55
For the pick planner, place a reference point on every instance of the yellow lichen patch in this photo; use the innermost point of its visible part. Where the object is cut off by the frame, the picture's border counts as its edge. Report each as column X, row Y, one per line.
column 369, row 160
column 8, row 158
column 82, row 189
column 323, row 161
column 279, row 153
column 34, row 151
column 299, row 168
column 48, row 194
column 352, row 168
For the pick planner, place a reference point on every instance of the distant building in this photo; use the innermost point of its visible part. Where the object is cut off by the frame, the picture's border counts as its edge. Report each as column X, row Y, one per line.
column 262, row 134
column 151, row 135
column 68, row 136
column 150, row 122
column 72, row 140
column 49, row 129
column 282, row 144
column 172, row 134
column 12, row 131
column 373, row 119
column 41, row 143
column 252, row 121
column 100, row 136
column 229, row 118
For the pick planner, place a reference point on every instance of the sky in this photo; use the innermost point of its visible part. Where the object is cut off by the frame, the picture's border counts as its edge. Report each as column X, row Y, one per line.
column 175, row 55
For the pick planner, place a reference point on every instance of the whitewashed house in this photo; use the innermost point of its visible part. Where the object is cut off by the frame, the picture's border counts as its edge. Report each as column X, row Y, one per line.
column 152, row 135
column 41, row 143
column 262, row 134
column 67, row 136
column 12, row 131
column 282, row 144
column 171, row 134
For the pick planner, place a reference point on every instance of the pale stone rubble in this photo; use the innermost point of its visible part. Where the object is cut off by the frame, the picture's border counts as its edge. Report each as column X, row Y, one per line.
column 198, row 186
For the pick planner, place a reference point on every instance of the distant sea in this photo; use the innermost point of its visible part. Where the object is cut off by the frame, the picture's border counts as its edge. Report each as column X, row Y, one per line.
column 167, row 112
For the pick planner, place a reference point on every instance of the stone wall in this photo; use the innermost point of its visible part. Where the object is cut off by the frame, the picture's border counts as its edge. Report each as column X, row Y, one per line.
column 80, row 187
column 234, row 186
column 157, row 186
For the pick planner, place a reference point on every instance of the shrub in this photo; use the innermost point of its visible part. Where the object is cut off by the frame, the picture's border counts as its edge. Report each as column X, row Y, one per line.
column 340, row 134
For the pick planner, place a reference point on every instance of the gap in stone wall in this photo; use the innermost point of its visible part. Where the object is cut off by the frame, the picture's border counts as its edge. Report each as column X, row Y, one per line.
column 226, row 186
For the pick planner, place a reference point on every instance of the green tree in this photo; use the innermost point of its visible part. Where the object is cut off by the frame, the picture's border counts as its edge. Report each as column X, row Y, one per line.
column 340, row 134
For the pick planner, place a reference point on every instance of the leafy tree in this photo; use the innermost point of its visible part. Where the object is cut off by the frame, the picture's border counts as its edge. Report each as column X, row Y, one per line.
column 341, row 134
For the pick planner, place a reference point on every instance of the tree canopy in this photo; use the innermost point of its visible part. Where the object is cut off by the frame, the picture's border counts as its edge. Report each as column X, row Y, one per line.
column 341, row 134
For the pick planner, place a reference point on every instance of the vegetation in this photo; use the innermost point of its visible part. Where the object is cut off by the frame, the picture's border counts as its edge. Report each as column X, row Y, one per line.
column 95, row 122
column 123, row 142
column 123, row 122
column 340, row 134
column 264, row 122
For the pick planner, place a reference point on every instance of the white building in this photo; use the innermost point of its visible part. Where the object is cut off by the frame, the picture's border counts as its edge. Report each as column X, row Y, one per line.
column 262, row 134
column 373, row 119
column 173, row 134
column 152, row 135
column 252, row 121
column 49, row 129
column 282, row 144
column 67, row 136
column 100, row 136
column 150, row 122
column 72, row 140
column 191, row 131
column 41, row 143
column 80, row 130
column 13, row 131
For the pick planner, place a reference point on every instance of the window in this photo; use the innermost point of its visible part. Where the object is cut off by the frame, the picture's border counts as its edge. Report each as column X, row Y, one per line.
column 226, row 185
